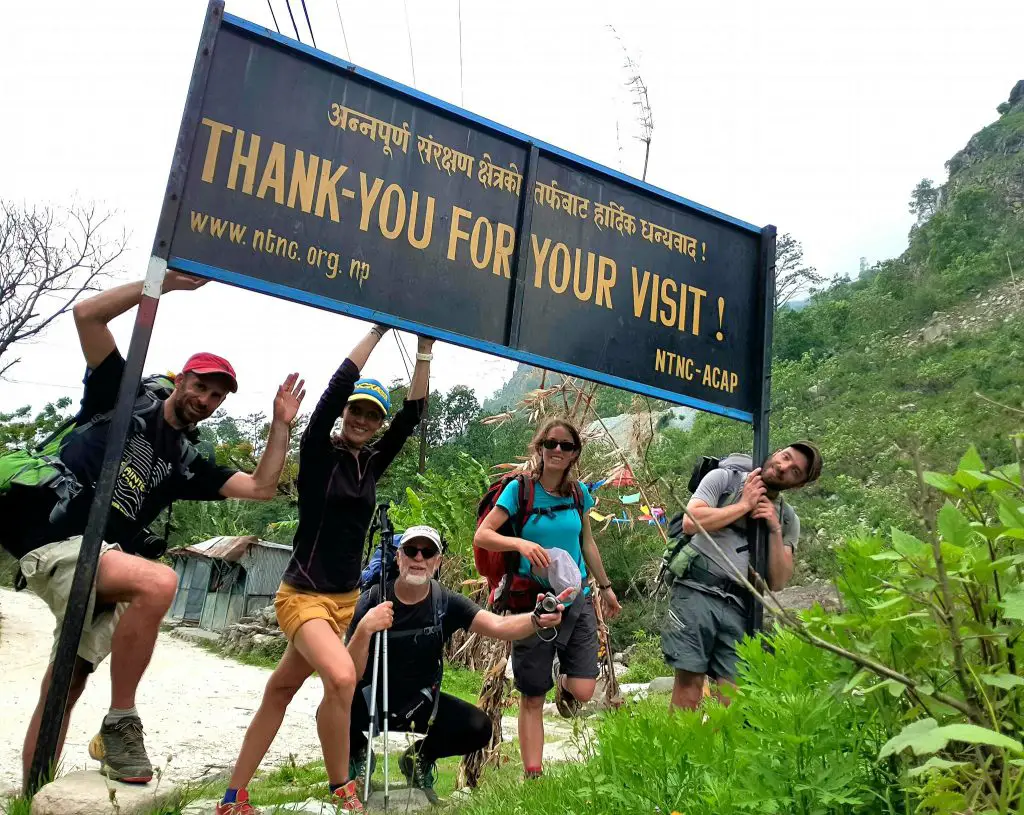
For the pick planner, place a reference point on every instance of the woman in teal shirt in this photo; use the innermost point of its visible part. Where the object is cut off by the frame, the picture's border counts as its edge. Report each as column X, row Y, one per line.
column 554, row 453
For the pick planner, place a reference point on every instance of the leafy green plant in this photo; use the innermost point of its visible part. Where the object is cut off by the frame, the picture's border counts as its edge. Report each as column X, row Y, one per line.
column 646, row 660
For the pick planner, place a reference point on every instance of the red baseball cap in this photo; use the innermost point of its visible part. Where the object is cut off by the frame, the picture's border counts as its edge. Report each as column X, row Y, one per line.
column 204, row 363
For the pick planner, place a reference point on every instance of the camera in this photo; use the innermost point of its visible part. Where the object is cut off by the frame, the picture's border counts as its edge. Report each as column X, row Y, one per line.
column 548, row 604
column 147, row 544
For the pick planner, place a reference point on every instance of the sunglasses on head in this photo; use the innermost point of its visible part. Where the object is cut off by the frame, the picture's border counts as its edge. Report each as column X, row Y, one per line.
column 551, row 444
column 411, row 550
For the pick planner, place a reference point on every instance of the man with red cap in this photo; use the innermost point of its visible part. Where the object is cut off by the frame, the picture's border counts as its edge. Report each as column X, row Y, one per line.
column 43, row 526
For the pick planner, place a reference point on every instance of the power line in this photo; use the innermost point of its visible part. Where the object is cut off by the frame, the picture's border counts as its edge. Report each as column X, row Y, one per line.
column 408, row 29
column 309, row 25
column 294, row 27
column 273, row 17
column 344, row 36
column 403, row 354
column 462, row 87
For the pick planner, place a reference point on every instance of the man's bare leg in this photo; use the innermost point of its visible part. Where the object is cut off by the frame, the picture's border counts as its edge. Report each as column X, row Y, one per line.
column 687, row 690
column 148, row 588
column 79, row 677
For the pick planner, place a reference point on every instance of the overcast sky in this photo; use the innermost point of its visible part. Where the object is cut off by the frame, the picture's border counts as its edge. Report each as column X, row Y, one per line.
column 819, row 117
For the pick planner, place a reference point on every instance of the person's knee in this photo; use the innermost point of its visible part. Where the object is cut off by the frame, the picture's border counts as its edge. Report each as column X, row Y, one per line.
column 340, row 684
column 531, row 704
column 280, row 692
column 581, row 689
column 480, row 731
column 162, row 585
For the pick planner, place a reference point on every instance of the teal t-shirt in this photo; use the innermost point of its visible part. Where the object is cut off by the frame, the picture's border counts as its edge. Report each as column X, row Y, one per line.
column 560, row 530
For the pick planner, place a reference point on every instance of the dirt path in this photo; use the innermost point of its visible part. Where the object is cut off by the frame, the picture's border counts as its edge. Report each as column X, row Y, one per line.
column 194, row 705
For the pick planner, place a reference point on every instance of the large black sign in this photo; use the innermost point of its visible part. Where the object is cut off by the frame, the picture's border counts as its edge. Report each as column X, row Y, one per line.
column 312, row 180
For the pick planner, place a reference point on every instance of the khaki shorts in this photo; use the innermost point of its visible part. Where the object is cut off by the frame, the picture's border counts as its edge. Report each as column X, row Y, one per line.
column 295, row 607
column 49, row 571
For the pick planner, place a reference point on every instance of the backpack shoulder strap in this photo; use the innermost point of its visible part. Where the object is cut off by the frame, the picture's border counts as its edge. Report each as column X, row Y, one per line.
column 527, row 493
column 577, row 497
column 440, row 601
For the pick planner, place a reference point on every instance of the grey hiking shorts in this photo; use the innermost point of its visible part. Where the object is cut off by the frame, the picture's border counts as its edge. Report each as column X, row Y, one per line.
column 576, row 647
column 700, row 632
column 48, row 572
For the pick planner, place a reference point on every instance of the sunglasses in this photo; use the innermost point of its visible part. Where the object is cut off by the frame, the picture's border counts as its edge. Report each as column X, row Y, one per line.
column 411, row 550
column 551, row 444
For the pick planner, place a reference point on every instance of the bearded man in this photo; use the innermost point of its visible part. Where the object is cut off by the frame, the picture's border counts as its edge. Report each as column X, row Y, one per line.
column 707, row 607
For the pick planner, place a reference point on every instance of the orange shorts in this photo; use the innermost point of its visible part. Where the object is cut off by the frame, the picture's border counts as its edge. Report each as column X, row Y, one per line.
column 295, row 607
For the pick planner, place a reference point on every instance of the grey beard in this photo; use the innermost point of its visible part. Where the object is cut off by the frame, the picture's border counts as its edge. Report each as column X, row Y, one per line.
column 416, row 580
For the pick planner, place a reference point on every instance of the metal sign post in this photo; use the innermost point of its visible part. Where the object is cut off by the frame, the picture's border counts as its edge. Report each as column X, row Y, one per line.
column 758, row 533
column 54, row 709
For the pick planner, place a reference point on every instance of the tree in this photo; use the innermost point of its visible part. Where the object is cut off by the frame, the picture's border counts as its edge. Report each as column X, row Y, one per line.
column 19, row 430
column 792, row 275
column 49, row 258
column 924, row 200
column 460, row 408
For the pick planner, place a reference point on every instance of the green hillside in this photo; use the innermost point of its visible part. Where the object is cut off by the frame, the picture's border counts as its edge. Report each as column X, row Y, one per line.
column 905, row 358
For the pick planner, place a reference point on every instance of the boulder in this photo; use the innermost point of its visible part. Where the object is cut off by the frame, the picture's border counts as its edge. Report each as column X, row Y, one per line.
column 801, row 598
column 661, row 684
column 89, row 793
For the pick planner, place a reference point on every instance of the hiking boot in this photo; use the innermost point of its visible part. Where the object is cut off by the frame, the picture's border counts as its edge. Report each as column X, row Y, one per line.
column 346, row 799
column 567, row 704
column 418, row 773
column 357, row 772
column 121, row 753
column 241, row 806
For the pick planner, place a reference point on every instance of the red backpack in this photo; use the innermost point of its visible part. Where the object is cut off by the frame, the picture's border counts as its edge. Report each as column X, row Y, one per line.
column 509, row 590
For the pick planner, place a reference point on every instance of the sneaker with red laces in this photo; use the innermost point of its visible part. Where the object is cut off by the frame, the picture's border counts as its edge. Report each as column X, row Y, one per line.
column 240, row 806
column 347, row 798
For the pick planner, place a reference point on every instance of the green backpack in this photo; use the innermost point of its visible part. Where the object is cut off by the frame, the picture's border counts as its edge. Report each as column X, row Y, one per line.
column 42, row 467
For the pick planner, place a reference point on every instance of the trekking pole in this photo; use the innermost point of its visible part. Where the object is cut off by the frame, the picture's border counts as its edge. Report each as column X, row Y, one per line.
column 373, row 716
column 373, row 730
column 387, row 536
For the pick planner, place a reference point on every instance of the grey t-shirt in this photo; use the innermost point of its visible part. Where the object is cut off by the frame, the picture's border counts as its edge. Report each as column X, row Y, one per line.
column 715, row 490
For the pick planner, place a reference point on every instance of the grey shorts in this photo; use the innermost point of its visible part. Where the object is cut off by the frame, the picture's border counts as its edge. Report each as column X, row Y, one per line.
column 700, row 632
column 48, row 572
column 576, row 646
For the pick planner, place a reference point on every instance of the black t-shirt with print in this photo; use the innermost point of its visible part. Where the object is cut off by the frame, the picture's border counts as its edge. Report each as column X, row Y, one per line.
column 150, row 476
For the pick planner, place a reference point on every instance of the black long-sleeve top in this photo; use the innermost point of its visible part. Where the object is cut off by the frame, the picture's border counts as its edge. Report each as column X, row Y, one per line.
column 338, row 491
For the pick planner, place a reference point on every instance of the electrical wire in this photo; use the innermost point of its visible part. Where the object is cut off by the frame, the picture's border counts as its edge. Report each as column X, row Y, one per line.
column 408, row 30
column 295, row 28
column 309, row 25
column 404, row 356
column 344, row 36
column 273, row 16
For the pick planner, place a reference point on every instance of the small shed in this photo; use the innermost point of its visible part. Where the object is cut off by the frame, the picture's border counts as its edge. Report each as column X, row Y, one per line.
column 226, row 578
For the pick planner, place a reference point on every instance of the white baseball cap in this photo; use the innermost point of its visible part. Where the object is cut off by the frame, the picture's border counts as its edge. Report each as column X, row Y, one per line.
column 424, row 532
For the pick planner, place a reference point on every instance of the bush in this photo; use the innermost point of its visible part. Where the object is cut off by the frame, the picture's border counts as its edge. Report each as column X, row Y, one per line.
column 646, row 660
column 790, row 743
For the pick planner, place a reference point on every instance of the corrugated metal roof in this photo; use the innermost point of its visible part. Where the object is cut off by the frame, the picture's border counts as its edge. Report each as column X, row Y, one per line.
column 225, row 547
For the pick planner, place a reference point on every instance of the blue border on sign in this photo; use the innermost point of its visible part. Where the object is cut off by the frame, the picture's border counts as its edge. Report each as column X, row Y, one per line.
column 319, row 301
column 459, row 113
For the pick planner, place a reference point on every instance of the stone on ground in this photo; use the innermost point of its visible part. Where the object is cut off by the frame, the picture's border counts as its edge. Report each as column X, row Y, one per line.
column 89, row 793
column 661, row 684
column 402, row 799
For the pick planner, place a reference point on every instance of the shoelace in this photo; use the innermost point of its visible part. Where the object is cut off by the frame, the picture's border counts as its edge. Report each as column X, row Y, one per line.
column 131, row 731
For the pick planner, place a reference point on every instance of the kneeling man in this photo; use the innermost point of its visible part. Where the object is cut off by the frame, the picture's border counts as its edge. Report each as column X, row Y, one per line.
column 421, row 616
